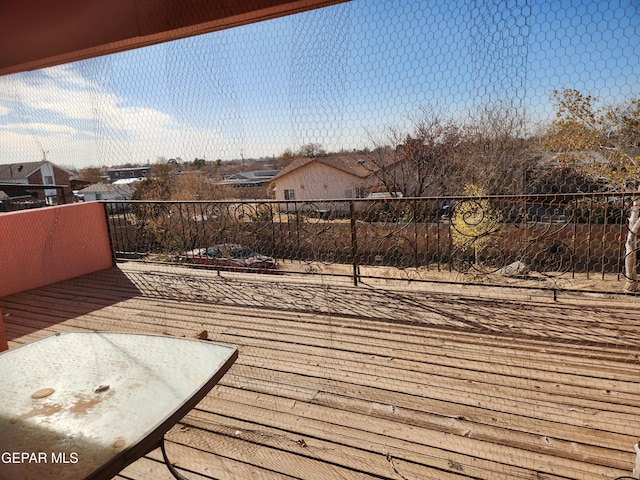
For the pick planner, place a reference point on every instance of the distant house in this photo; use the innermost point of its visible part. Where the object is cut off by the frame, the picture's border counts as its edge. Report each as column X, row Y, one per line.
column 253, row 184
column 107, row 191
column 322, row 178
column 127, row 173
column 255, row 178
column 38, row 174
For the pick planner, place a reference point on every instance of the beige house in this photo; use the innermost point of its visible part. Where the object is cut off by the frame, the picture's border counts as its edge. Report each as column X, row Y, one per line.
column 322, row 178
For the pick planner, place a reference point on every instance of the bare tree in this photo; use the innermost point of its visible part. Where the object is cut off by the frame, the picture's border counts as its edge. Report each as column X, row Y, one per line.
column 92, row 174
column 421, row 162
column 312, row 150
column 496, row 152
column 441, row 157
column 166, row 183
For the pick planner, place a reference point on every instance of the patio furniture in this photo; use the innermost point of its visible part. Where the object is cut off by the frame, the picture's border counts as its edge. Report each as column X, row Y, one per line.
column 86, row 405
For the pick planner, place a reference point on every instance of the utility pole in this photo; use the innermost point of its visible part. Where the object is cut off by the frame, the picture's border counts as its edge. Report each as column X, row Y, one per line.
column 44, row 155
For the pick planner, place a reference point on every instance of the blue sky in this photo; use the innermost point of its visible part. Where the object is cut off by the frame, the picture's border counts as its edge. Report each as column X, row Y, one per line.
column 339, row 76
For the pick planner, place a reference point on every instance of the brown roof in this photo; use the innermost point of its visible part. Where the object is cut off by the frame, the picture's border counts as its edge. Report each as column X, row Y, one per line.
column 18, row 171
column 352, row 165
column 12, row 172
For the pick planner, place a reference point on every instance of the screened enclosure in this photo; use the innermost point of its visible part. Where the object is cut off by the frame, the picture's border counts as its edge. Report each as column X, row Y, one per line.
column 444, row 200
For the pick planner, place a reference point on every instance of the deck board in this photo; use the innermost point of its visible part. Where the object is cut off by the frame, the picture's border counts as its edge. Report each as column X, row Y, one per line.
column 375, row 381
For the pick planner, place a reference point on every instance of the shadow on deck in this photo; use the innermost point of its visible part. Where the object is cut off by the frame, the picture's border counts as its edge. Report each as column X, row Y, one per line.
column 376, row 381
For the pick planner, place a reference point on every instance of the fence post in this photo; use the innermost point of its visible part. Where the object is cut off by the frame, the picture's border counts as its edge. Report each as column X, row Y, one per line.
column 110, row 233
column 589, row 233
column 354, row 241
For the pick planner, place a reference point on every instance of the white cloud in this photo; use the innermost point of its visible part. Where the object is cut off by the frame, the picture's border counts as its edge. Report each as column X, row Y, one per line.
column 81, row 123
column 40, row 129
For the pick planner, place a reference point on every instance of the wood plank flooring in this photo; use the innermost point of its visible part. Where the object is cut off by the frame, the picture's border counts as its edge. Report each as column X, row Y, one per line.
column 375, row 381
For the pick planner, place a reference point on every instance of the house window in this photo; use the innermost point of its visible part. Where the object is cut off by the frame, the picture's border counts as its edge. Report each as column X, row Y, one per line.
column 48, row 180
column 356, row 192
column 289, row 194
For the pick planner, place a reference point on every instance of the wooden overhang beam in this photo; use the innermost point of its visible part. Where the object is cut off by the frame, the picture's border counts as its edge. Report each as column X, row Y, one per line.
column 41, row 33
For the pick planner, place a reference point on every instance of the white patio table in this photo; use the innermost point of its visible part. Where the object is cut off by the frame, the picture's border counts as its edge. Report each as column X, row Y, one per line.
column 87, row 404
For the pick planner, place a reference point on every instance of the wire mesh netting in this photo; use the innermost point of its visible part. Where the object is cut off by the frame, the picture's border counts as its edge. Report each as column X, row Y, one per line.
column 339, row 77
column 345, row 193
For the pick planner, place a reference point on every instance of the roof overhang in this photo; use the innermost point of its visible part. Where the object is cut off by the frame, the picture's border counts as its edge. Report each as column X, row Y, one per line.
column 41, row 33
column 30, row 186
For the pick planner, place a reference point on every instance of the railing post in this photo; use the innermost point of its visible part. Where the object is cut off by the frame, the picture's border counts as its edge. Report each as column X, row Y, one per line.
column 60, row 192
column 110, row 232
column 603, row 239
column 354, row 242
column 589, row 233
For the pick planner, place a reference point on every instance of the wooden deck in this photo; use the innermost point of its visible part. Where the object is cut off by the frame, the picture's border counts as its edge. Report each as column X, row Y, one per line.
column 385, row 382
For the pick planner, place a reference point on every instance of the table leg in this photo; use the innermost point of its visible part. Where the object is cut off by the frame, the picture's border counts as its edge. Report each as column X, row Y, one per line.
column 171, row 468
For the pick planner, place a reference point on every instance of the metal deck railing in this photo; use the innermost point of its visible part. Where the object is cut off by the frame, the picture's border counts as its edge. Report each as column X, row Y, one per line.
column 559, row 241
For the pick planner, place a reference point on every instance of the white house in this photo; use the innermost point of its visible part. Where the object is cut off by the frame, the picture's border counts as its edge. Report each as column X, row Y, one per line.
column 107, row 191
column 322, row 178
